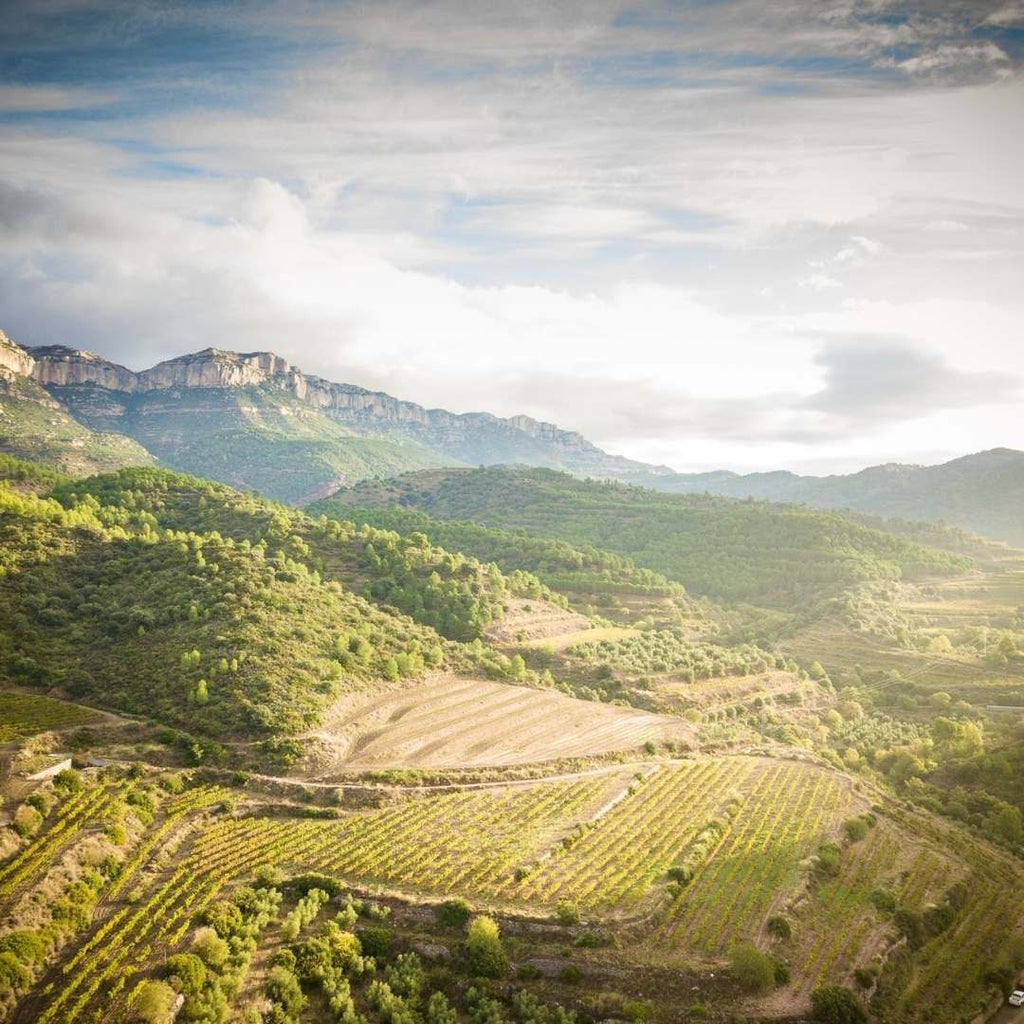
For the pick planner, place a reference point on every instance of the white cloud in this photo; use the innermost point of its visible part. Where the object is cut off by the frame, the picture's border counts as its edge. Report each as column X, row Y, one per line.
column 590, row 212
column 1008, row 14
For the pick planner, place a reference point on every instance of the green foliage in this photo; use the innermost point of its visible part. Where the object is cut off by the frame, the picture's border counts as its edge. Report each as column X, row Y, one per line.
column 779, row 926
column 237, row 617
column 779, row 556
column 835, row 1004
column 584, row 572
column 487, row 957
column 375, row 940
column 454, row 913
column 753, row 970
column 856, row 829
column 282, row 989
column 26, row 946
column 829, row 860
column 153, row 1002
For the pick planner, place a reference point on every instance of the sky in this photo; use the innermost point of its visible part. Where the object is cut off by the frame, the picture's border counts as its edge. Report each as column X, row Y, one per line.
column 741, row 234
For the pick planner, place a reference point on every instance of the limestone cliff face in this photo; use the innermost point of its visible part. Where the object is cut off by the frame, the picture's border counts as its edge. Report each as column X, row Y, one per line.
column 213, row 368
column 14, row 360
column 61, row 366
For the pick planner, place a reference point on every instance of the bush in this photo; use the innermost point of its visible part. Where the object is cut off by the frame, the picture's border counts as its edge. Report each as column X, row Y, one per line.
column 567, row 912
column 778, row 926
column 283, row 988
column 26, row 821
column 454, row 913
column 835, row 1004
column 153, row 1002
column 829, row 860
column 864, row 976
column 13, row 973
column 26, row 945
column 487, row 958
column 69, row 781
column 753, row 970
column 883, row 899
column 375, row 941
column 571, row 974
column 856, row 829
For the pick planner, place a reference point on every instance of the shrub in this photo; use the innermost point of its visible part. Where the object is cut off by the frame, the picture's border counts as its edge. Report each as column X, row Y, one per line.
column 864, row 976
column 487, row 958
column 828, row 861
column 375, row 941
column 26, row 821
column 883, row 899
column 567, row 912
column 856, row 829
column 26, row 945
column 454, row 913
column 13, row 973
column 779, row 927
column 571, row 974
column 753, row 970
column 153, row 1002
column 835, row 1004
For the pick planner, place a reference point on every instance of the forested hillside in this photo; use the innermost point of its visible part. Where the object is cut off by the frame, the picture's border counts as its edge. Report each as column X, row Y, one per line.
column 163, row 595
column 784, row 557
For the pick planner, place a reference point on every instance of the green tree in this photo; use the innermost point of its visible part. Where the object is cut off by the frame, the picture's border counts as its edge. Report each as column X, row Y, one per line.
column 154, row 1002
column 487, row 957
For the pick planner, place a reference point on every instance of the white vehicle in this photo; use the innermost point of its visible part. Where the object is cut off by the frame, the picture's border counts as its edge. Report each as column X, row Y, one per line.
column 1017, row 997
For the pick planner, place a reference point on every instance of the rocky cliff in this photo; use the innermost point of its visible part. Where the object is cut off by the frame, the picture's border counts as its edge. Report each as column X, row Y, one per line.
column 14, row 360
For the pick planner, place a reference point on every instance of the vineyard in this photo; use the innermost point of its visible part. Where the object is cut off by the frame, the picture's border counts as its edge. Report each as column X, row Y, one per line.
column 692, row 856
column 27, row 714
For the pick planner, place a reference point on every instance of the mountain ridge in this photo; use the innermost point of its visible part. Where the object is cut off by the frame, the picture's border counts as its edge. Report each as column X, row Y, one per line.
column 263, row 392
column 982, row 492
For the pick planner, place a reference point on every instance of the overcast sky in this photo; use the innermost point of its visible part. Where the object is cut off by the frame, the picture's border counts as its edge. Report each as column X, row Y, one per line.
column 746, row 234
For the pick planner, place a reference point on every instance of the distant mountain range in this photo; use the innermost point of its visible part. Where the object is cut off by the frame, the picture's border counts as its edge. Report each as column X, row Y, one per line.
column 255, row 422
column 983, row 493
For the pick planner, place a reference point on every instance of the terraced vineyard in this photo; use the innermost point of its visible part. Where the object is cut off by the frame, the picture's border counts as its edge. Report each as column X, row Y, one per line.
column 24, row 714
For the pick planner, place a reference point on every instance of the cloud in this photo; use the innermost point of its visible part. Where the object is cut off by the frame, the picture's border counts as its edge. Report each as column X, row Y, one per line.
column 959, row 58
column 868, row 382
column 638, row 220
column 41, row 98
column 1007, row 15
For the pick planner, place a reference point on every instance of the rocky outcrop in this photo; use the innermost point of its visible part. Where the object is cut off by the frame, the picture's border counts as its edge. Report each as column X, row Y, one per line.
column 60, row 366
column 14, row 360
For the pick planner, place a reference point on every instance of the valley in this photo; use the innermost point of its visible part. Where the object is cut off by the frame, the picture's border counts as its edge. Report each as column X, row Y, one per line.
column 485, row 745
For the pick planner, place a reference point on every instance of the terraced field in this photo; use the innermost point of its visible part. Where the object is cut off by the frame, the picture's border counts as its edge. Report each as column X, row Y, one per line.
column 452, row 722
column 25, row 714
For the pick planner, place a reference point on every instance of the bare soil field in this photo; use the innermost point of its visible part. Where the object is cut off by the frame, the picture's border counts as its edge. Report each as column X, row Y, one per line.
column 532, row 621
column 448, row 722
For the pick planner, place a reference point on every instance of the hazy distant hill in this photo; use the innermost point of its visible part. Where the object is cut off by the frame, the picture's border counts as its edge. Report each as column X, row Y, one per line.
column 983, row 492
